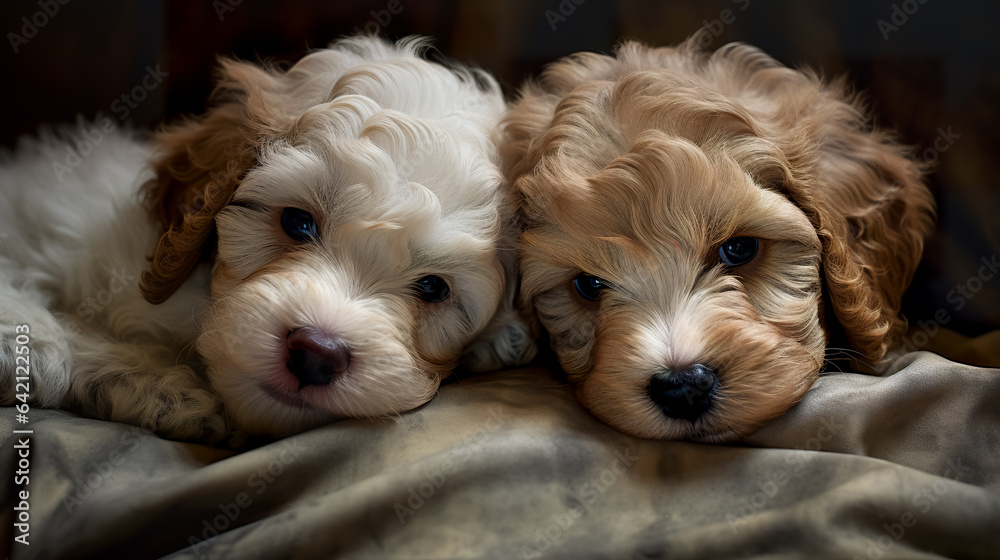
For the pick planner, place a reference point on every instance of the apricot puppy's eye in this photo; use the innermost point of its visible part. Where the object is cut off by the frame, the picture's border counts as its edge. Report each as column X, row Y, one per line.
column 589, row 286
column 433, row 289
column 298, row 224
column 738, row 250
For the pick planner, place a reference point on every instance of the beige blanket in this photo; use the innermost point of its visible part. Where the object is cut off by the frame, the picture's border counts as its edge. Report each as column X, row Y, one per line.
column 507, row 465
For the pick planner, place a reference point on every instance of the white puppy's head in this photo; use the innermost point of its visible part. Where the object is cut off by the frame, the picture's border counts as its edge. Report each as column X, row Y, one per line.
column 358, row 224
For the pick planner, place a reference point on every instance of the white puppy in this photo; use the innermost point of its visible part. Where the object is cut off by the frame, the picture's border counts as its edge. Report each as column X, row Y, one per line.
column 325, row 242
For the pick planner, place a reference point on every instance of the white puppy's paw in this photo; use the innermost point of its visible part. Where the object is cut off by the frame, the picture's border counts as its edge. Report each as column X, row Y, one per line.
column 35, row 360
column 188, row 413
column 172, row 401
column 508, row 342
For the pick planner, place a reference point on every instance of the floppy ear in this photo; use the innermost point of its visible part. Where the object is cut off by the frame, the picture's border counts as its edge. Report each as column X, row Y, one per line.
column 199, row 164
column 871, row 210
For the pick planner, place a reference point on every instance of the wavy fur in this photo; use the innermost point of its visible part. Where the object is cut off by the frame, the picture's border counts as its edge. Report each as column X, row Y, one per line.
column 636, row 167
column 391, row 154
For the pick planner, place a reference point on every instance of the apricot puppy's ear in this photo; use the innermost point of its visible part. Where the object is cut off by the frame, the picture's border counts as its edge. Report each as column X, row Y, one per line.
column 872, row 211
column 199, row 164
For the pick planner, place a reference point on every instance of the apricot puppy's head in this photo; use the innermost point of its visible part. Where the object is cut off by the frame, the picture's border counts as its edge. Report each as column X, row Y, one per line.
column 682, row 213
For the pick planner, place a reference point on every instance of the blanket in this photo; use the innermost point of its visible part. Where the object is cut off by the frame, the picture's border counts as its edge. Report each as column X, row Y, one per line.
column 508, row 465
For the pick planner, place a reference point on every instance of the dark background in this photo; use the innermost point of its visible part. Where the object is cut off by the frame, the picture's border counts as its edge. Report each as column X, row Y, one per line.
column 937, row 72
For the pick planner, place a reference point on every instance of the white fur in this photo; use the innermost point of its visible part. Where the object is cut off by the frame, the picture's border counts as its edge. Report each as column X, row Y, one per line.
column 394, row 158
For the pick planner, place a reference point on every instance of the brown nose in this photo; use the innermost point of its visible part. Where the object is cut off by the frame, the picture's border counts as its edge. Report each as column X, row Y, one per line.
column 315, row 356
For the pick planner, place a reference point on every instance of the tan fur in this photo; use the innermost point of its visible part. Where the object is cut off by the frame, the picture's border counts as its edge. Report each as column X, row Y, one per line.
column 200, row 163
column 635, row 168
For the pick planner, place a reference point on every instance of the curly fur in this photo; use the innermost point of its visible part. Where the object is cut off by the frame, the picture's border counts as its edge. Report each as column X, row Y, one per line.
column 391, row 154
column 636, row 167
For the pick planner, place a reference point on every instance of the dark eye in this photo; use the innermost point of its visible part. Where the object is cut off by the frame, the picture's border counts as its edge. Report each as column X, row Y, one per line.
column 738, row 250
column 589, row 286
column 298, row 224
column 433, row 289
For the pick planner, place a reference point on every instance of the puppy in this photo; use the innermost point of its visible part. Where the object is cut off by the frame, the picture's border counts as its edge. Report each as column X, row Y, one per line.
column 683, row 215
column 325, row 243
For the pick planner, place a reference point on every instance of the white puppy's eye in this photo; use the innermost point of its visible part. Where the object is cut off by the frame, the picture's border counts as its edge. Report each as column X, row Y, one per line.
column 298, row 224
column 589, row 286
column 738, row 250
column 433, row 289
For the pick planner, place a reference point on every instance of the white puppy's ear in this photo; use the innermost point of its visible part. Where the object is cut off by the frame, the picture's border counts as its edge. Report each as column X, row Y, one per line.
column 509, row 339
column 199, row 164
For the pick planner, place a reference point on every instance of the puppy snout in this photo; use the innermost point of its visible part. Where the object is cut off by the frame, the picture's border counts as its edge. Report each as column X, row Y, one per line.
column 315, row 357
column 685, row 393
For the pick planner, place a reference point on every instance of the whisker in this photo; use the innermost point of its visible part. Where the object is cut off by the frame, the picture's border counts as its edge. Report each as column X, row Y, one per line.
column 833, row 354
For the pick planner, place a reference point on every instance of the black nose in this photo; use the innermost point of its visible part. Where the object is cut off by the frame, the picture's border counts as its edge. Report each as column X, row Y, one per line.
column 683, row 393
column 315, row 357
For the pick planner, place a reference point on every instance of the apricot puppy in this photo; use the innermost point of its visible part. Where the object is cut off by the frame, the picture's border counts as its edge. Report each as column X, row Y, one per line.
column 682, row 213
